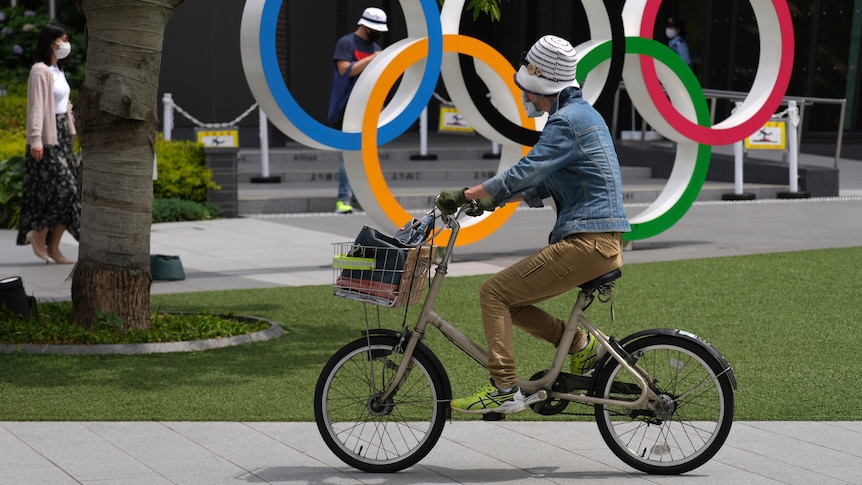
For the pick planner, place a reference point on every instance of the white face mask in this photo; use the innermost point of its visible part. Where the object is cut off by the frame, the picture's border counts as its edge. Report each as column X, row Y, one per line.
column 530, row 107
column 64, row 50
column 670, row 32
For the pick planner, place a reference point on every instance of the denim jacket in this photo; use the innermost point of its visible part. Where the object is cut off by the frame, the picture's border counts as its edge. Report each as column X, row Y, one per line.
column 575, row 163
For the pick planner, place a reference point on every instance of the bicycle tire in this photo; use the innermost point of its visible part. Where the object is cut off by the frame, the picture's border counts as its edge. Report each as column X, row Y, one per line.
column 379, row 438
column 702, row 400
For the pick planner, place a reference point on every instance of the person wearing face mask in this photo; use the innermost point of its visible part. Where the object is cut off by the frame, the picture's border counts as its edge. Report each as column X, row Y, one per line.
column 353, row 53
column 574, row 163
column 49, row 205
column 675, row 39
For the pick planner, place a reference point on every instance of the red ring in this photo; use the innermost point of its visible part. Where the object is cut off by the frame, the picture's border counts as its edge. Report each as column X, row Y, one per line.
column 710, row 135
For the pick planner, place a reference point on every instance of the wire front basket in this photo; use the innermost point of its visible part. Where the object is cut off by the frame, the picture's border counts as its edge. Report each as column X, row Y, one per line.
column 389, row 277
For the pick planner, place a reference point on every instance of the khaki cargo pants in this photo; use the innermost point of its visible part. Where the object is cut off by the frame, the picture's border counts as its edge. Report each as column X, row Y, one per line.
column 509, row 296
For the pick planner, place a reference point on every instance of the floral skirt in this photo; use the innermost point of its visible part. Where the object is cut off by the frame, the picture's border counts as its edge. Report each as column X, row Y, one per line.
column 50, row 192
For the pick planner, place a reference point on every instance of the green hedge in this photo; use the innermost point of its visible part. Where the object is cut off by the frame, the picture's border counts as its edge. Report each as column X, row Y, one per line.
column 11, row 183
column 183, row 179
column 173, row 209
column 193, row 180
column 182, row 171
column 13, row 123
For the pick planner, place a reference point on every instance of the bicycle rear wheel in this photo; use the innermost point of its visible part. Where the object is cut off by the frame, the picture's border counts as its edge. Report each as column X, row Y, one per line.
column 698, row 407
column 366, row 433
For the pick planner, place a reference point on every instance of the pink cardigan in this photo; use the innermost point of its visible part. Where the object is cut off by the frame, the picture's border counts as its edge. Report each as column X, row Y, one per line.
column 41, row 119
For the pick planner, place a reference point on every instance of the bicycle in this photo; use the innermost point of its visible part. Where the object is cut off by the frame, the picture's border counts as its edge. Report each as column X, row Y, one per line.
column 663, row 399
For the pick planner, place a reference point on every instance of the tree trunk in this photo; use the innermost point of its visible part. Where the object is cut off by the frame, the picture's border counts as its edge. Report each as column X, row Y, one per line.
column 116, row 118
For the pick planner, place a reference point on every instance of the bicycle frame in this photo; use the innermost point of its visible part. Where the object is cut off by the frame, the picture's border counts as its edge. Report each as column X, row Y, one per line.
column 539, row 389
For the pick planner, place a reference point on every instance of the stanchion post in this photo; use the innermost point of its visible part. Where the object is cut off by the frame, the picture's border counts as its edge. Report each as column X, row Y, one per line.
column 738, row 159
column 167, row 115
column 737, row 167
column 423, row 138
column 495, row 147
column 793, row 154
column 792, row 148
column 494, row 153
column 263, row 129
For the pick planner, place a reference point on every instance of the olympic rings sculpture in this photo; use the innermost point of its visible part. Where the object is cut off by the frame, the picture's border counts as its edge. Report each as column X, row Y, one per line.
column 666, row 94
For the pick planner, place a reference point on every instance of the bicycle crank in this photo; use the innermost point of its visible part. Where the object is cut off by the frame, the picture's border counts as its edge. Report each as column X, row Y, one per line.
column 536, row 397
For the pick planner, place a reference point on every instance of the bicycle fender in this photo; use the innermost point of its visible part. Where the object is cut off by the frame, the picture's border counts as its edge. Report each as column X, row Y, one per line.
column 689, row 336
column 424, row 350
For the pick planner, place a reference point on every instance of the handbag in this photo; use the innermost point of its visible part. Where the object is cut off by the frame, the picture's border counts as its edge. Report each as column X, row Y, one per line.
column 389, row 252
column 389, row 256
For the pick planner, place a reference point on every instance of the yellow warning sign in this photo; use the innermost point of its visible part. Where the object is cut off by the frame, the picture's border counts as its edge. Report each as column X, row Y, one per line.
column 773, row 136
column 451, row 121
column 219, row 138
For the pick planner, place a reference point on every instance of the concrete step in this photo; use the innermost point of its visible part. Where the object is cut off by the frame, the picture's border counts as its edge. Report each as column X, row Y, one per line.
column 308, row 177
column 289, row 198
column 325, row 173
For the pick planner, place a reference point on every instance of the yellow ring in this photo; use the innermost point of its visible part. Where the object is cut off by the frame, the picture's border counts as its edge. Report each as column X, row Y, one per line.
column 370, row 156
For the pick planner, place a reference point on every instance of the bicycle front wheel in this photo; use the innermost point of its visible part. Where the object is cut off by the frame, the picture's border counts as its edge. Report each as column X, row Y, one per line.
column 374, row 435
column 696, row 412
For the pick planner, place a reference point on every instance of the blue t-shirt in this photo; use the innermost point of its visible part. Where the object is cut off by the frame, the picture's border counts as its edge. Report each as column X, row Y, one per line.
column 350, row 48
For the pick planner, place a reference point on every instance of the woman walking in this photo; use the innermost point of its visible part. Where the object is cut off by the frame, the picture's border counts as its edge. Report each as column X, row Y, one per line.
column 50, row 205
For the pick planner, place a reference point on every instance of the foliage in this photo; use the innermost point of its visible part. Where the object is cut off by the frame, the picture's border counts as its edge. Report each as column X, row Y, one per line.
column 54, row 326
column 173, row 210
column 13, row 121
column 13, row 145
column 785, row 322
column 11, row 183
column 182, row 172
column 19, row 33
column 490, row 8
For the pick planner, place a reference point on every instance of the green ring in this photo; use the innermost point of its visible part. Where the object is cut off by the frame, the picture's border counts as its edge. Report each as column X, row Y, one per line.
column 663, row 54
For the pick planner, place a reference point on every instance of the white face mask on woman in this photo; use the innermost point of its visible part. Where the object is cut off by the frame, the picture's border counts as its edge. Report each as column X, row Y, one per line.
column 670, row 32
column 64, row 50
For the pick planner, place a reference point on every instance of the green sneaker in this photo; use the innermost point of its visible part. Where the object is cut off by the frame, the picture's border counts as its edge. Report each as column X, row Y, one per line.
column 343, row 207
column 489, row 399
column 585, row 358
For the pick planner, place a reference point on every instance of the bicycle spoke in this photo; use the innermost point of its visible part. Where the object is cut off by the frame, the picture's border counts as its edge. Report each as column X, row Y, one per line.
column 366, row 432
column 693, row 422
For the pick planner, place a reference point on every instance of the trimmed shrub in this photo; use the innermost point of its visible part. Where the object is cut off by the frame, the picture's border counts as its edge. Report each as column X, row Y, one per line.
column 173, row 210
column 182, row 172
column 13, row 123
column 11, row 185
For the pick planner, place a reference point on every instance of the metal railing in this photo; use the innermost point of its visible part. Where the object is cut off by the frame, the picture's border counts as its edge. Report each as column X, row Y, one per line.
column 714, row 95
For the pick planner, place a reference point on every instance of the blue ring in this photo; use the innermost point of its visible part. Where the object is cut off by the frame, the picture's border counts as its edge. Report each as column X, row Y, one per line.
column 338, row 139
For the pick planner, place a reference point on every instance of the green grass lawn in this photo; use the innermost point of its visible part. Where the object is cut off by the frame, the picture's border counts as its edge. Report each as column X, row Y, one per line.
column 788, row 323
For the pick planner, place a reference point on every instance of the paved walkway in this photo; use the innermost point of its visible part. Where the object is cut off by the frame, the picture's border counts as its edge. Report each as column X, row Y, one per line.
column 256, row 252
column 149, row 453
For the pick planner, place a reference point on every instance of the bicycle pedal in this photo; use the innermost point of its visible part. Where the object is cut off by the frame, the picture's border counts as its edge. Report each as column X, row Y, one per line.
column 493, row 417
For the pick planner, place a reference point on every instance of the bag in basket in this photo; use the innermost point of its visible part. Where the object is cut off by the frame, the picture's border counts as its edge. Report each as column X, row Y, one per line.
column 389, row 255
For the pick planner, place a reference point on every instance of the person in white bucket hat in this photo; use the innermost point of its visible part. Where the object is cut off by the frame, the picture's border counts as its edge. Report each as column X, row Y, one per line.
column 574, row 163
column 353, row 53
column 374, row 18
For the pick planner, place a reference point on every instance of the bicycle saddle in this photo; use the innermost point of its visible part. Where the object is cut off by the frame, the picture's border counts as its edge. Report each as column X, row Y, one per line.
column 594, row 284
